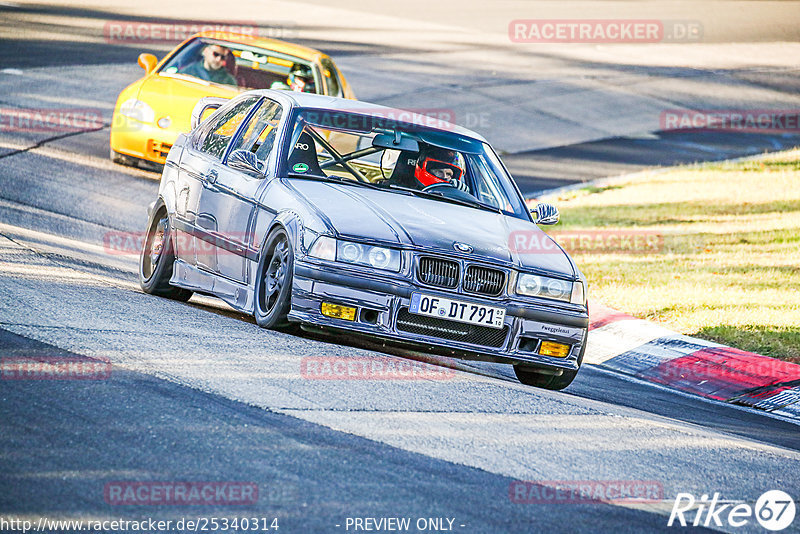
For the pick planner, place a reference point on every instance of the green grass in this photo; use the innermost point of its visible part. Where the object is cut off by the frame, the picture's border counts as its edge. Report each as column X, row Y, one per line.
column 727, row 264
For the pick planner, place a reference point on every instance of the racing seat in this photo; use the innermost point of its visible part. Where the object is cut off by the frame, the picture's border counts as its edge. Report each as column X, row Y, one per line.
column 305, row 151
column 231, row 67
column 403, row 172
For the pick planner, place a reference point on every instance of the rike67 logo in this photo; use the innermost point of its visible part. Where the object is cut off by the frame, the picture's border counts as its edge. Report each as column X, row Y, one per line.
column 774, row 510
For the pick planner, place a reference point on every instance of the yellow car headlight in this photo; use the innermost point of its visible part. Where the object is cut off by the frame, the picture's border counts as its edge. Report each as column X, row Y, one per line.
column 138, row 110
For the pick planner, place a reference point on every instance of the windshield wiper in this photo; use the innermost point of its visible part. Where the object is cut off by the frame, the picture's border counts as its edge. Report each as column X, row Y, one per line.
column 439, row 196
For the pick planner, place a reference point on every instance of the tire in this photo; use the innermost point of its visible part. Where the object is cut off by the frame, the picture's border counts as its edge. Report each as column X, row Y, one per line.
column 530, row 376
column 157, row 258
column 273, row 291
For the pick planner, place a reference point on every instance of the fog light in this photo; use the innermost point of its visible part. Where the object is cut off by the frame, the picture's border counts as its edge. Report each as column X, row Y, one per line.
column 338, row 312
column 556, row 350
column 164, row 122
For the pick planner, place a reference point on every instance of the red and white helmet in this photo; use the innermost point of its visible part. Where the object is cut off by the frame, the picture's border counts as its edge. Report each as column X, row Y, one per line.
column 439, row 165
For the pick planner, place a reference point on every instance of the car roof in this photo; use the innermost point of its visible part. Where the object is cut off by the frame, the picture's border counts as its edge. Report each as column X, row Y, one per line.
column 300, row 51
column 418, row 117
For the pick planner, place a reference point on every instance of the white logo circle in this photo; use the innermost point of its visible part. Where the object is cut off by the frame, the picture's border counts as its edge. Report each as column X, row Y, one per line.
column 775, row 510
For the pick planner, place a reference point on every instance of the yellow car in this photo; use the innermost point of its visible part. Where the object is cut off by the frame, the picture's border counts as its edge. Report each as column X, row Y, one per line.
column 151, row 112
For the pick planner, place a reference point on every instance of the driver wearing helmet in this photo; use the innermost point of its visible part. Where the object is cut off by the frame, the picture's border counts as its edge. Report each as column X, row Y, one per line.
column 441, row 166
column 300, row 79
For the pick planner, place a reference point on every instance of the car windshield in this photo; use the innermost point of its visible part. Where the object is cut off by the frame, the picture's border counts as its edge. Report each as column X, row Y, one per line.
column 245, row 66
column 400, row 156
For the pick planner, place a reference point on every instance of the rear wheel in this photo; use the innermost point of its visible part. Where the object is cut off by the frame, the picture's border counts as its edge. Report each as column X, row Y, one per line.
column 273, row 295
column 157, row 258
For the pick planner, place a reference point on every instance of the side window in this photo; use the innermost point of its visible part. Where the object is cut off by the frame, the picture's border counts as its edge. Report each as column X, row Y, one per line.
column 259, row 135
column 216, row 136
column 331, row 77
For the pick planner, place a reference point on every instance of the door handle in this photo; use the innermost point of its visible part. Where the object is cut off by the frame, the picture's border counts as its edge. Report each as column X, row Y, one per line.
column 211, row 177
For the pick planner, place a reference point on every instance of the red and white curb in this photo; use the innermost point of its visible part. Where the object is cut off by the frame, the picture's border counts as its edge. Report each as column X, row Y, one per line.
column 653, row 353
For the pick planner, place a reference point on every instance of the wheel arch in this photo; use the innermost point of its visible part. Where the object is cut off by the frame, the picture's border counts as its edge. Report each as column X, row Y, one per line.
column 291, row 223
column 160, row 204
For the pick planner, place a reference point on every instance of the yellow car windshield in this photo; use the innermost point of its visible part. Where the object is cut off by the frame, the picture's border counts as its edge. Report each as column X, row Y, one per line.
column 244, row 66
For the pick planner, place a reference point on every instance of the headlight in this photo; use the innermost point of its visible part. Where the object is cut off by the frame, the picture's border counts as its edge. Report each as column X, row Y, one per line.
column 541, row 286
column 136, row 109
column 328, row 248
column 387, row 259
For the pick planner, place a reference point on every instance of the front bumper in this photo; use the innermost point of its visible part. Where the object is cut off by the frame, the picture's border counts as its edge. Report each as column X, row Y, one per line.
column 141, row 140
column 382, row 311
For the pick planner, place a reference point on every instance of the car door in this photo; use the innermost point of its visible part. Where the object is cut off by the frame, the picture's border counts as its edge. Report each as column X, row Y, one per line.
column 198, row 171
column 226, row 208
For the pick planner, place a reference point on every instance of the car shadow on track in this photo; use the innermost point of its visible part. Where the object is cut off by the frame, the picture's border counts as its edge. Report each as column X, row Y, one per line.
column 591, row 383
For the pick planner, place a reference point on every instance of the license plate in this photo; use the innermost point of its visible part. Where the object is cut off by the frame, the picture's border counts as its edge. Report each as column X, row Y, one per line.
column 456, row 310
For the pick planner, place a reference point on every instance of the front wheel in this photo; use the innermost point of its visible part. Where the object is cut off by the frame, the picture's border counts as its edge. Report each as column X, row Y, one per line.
column 157, row 258
column 532, row 377
column 273, row 295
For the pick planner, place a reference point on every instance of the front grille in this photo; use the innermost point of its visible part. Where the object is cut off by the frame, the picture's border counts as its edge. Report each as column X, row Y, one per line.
column 157, row 149
column 438, row 272
column 484, row 280
column 451, row 330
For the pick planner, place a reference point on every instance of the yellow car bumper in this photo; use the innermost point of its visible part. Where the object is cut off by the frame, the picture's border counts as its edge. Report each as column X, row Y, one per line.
column 149, row 142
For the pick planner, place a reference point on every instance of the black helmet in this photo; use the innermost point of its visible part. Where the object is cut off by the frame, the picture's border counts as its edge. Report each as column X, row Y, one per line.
column 301, row 78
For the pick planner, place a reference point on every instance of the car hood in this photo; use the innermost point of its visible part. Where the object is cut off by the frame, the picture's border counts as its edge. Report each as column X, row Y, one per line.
column 433, row 225
column 175, row 97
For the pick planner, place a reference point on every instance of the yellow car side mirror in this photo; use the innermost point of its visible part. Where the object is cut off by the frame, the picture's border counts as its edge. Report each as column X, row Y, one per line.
column 148, row 62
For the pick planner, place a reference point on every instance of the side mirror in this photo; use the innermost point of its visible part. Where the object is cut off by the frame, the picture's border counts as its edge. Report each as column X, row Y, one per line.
column 545, row 213
column 245, row 161
column 148, row 62
column 203, row 105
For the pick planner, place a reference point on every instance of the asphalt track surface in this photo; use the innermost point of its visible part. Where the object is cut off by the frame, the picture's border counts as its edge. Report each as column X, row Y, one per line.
column 198, row 392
